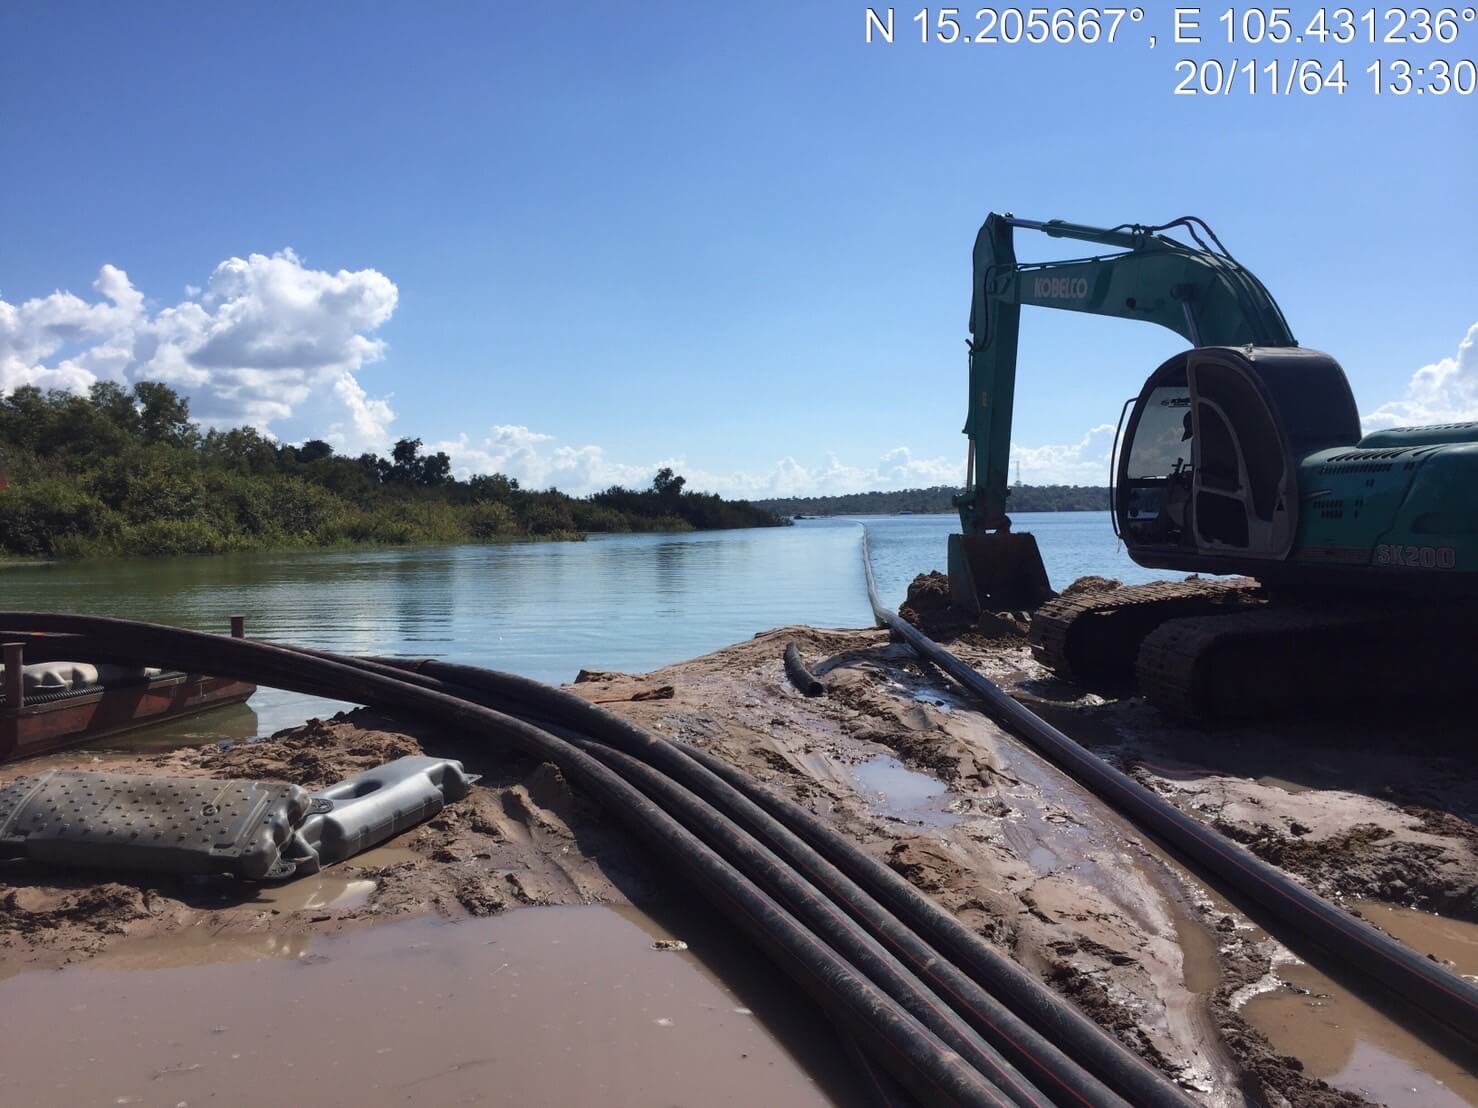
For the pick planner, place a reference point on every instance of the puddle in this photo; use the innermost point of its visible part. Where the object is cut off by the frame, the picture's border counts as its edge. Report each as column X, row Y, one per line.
column 1344, row 1040
column 1200, row 963
column 543, row 1006
column 331, row 890
column 892, row 789
column 934, row 699
column 1341, row 1039
column 339, row 888
column 1449, row 940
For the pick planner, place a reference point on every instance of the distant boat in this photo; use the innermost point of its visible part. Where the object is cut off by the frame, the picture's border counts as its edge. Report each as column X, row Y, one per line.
column 904, row 512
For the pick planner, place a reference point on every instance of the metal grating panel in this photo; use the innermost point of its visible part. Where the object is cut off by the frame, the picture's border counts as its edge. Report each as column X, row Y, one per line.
column 171, row 824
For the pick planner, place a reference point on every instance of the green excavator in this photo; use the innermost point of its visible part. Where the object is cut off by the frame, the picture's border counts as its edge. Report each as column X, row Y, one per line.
column 1342, row 567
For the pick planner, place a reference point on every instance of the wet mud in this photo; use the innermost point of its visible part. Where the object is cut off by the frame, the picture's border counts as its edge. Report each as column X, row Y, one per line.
column 1380, row 819
column 1040, row 867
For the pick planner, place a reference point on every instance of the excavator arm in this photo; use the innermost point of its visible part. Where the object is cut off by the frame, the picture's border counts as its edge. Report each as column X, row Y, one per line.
column 1200, row 292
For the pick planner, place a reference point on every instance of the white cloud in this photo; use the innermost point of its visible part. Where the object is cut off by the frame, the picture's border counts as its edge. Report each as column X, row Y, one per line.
column 540, row 460
column 537, row 463
column 1444, row 392
column 894, row 469
column 265, row 339
column 1085, row 462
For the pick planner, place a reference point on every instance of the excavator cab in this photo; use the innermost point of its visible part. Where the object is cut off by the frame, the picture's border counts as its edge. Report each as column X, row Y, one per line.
column 1208, row 461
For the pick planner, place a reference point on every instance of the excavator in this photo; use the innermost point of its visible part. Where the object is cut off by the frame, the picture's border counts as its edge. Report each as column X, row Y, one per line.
column 1327, row 568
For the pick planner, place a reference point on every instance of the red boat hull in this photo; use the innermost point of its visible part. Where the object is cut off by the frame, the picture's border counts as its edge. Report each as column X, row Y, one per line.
column 75, row 718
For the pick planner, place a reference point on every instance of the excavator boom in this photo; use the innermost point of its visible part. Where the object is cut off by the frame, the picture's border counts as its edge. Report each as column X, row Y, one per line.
column 1200, row 292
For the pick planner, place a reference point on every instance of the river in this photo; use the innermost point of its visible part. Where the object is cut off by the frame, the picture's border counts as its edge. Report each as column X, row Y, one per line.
column 544, row 610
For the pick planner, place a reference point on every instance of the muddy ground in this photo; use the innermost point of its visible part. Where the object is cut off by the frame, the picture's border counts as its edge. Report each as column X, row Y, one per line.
column 1365, row 810
column 523, row 837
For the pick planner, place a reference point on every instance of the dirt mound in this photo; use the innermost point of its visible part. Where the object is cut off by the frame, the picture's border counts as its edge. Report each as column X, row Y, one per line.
column 928, row 608
column 314, row 755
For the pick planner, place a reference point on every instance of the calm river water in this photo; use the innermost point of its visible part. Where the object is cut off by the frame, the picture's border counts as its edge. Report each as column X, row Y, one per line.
column 545, row 610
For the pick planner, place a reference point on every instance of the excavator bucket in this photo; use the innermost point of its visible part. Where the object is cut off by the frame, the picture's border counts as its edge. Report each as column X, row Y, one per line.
column 997, row 572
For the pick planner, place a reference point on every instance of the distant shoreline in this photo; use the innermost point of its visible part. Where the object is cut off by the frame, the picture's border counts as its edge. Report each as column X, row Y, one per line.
column 125, row 473
column 939, row 500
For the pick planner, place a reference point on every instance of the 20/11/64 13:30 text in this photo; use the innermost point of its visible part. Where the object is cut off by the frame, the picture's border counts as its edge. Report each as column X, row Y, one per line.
column 1310, row 77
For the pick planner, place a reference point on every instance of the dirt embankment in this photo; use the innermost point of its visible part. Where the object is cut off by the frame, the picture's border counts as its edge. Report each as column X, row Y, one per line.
column 891, row 757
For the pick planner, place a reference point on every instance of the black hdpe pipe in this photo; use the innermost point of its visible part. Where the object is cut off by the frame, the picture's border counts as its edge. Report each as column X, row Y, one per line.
column 801, row 677
column 724, row 788
column 1419, row 981
column 1048, row 1039
column 916, row 1057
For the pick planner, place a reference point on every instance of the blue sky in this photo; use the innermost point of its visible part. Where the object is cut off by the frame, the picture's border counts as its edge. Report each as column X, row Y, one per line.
column 573, row 242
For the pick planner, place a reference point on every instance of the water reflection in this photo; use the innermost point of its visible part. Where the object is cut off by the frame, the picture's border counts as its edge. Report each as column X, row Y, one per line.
column 545, row 610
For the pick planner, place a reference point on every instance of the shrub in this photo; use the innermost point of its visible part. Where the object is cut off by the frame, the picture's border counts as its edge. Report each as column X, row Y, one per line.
column 489, row 520
column 590, row 516
column 34, row 517
column 174, row 536
column 547, row 517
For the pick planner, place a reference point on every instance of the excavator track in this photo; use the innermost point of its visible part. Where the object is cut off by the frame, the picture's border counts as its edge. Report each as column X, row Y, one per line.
column 1278, row 659
column 1096, row 636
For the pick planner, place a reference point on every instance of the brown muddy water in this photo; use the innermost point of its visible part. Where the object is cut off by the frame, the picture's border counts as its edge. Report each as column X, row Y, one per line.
column 542, row 1006
column 1343, row 1039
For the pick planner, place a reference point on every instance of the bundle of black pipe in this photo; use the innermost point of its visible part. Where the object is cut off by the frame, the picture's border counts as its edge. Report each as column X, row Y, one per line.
column 941, row 1012
column 1352, row 943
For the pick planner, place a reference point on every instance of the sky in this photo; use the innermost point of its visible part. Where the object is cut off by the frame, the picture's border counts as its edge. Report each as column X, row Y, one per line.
column 574, row 243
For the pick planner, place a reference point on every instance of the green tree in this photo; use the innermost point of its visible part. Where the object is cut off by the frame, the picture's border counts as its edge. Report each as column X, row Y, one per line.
column 405, row 462
column 114, row 404
column 668, row 485
column 243, row 449
column 164, row 414
column 314, row 450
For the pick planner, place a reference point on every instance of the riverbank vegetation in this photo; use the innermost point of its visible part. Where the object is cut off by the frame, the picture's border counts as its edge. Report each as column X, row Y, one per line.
column 1024, row 498
column 126, row 471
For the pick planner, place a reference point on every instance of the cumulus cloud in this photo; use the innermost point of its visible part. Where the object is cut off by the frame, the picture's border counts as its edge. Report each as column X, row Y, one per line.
column 538, row 461
column 1084, row 462
column 895, row 469
column 1444, row 392
column 266, row 338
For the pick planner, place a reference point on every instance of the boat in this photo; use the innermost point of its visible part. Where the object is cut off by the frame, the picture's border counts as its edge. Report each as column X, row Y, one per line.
column 51, row 705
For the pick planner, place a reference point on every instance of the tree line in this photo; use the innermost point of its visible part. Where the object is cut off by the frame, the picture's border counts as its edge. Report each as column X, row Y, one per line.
column 126, row 471
column 940, row 498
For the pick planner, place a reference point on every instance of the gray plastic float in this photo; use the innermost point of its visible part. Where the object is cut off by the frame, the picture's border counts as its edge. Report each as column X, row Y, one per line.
column 257, row 830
